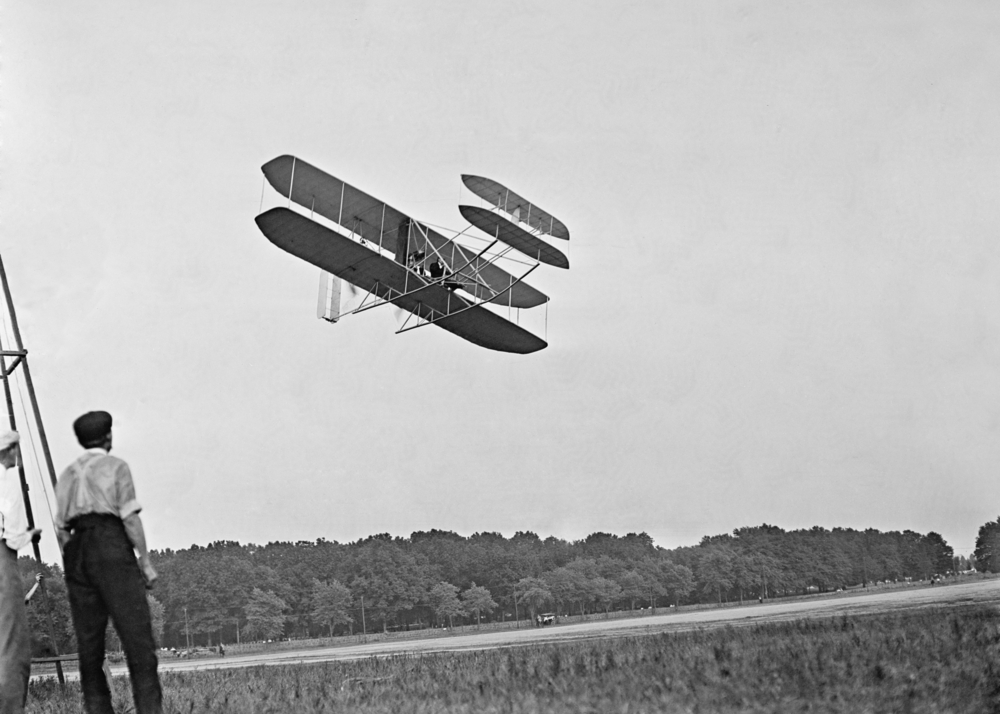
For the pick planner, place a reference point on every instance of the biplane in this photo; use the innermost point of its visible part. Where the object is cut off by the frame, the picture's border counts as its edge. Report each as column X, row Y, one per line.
column 396, row 260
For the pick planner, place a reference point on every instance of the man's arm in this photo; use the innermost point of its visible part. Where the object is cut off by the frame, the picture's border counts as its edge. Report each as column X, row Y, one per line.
column 62, row 535
column 62, row 501
column 135, row 533
column 125, row 494
column 31, row 593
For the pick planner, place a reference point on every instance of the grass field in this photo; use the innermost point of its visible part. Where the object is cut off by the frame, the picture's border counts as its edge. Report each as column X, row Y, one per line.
column 926, row 660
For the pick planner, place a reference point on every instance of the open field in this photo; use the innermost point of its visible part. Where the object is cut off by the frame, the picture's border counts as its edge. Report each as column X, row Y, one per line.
column 933, row 658
column 981, row 592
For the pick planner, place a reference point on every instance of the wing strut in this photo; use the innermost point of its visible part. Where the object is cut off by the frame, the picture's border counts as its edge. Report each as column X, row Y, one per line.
column 426, row 284
column 432, row 319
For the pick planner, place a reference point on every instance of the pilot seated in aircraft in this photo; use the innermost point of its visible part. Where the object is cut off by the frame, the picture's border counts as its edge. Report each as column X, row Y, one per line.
column 438, row 272
column 416, row 261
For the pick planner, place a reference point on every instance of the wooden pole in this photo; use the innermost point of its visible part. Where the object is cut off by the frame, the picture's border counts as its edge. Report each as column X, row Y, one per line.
column 22, row 361
column 27, row 377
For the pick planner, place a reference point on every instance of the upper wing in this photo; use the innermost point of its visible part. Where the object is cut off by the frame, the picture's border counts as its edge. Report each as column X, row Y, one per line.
column 496, row 194
column 500, row 228
column 384, row 226
column 391, row 281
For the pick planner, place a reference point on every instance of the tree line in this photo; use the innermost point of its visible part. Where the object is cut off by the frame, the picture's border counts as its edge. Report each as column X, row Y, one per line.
column 986, row 556
column 229, row 592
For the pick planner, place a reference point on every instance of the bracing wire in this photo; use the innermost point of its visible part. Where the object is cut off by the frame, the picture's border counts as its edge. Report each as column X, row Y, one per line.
column 472, row 237
column 34, row 451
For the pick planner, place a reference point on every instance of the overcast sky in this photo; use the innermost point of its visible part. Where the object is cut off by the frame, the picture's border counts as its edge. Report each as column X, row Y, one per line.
column 783, row 304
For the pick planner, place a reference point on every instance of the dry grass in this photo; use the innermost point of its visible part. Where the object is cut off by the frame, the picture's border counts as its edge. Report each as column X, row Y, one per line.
column 932, row 660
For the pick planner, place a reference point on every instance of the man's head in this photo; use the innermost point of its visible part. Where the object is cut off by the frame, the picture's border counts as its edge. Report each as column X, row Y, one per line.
column 93, row 429
column 10, row 451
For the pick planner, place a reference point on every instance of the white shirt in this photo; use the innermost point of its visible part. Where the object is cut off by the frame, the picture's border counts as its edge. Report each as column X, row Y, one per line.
column 95, row 483
column 13, row 519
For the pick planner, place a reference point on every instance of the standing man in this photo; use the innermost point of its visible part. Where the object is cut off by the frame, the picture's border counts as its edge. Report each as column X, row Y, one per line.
column 15, row 639
column 100, row 533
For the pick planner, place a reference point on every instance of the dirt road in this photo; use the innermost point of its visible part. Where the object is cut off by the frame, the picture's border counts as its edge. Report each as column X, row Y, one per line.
column 983, row 591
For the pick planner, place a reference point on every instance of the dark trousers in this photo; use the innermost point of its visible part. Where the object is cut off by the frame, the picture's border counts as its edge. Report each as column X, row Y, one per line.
column 103, row 579
column 15, row 640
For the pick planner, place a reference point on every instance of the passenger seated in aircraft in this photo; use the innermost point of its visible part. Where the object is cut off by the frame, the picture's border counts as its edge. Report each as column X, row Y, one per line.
column 416, row 261
column 437, row 270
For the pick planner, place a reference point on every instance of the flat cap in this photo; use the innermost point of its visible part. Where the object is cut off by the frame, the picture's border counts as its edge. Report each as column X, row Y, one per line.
column 92, row 427
column 8, row 439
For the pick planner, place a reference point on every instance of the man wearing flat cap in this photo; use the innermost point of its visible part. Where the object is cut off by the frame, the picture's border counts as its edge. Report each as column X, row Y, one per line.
column 15, row 637
column 99, row 530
